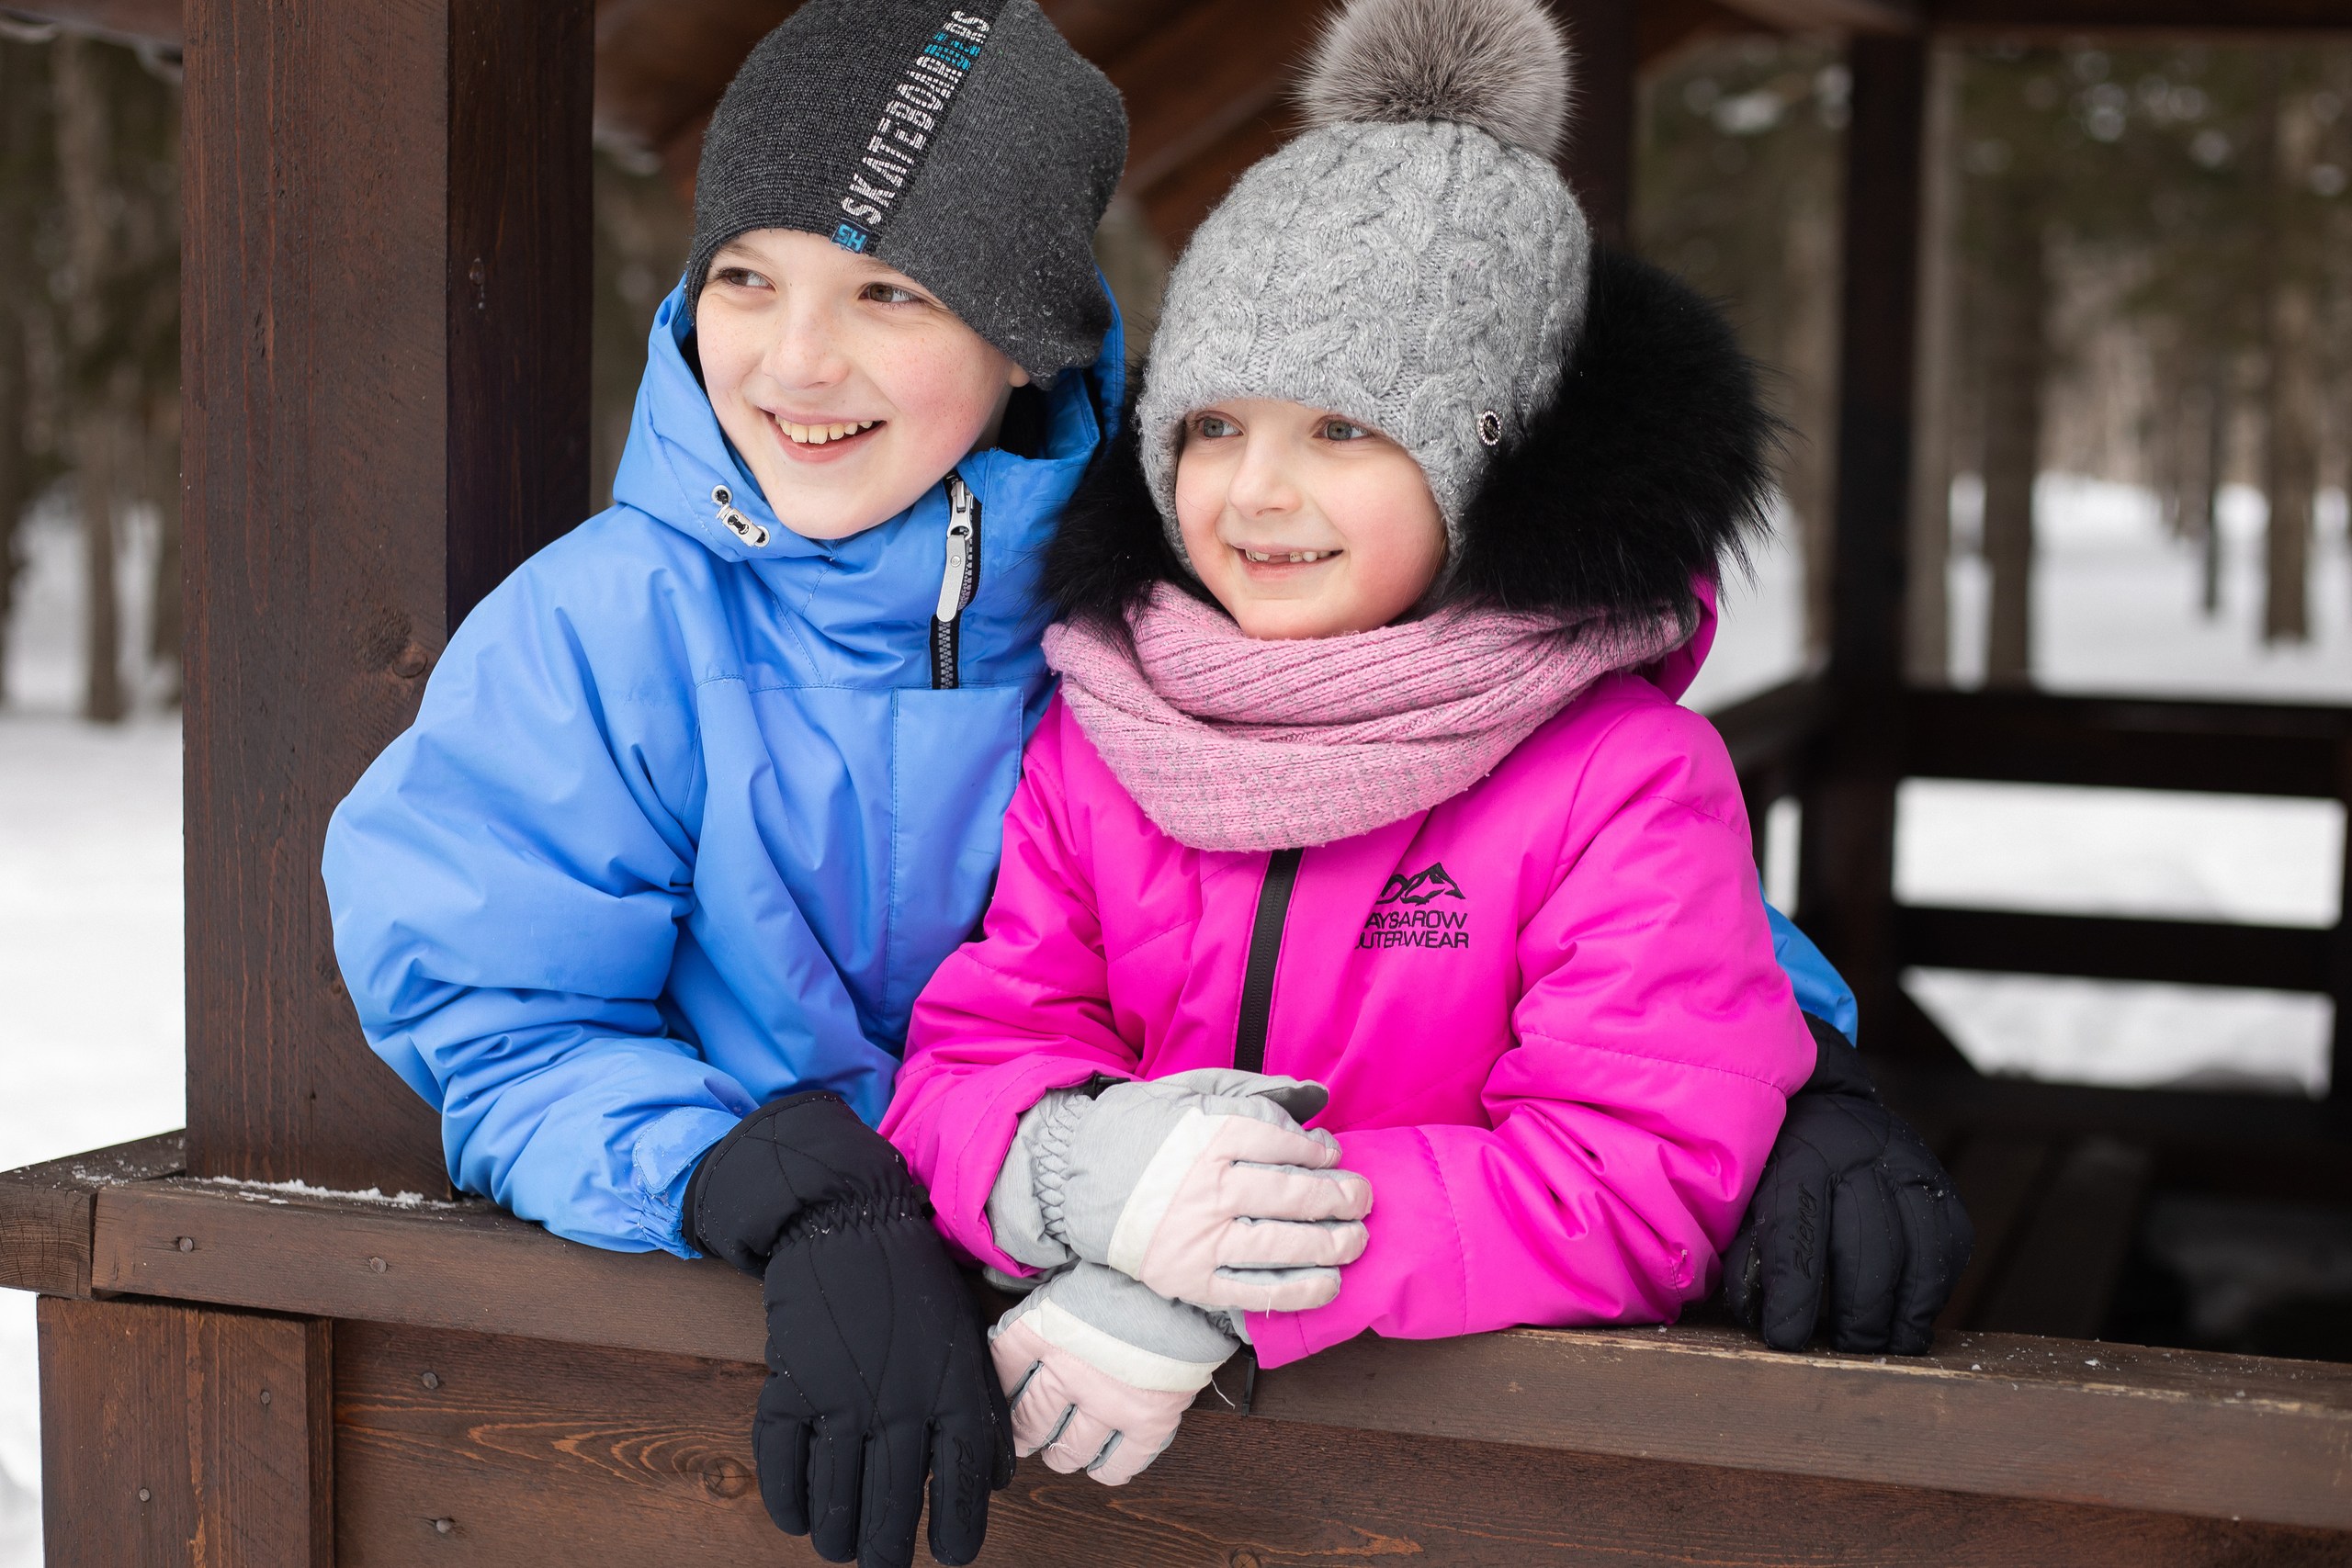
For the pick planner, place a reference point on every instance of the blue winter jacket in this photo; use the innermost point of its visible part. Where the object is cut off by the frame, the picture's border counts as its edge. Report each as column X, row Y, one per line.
column 683, row 824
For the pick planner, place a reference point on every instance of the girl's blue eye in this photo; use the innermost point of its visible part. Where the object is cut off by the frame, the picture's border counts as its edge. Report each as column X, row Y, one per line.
column 1212, row 425
column 1340, row 430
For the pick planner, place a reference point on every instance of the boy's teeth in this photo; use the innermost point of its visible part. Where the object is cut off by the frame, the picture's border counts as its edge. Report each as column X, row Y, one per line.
column 817, row 435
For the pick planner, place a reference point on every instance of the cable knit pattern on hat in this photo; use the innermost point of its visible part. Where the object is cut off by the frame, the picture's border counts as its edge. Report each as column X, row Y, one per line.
column 1419, row 277
column 1228, row 742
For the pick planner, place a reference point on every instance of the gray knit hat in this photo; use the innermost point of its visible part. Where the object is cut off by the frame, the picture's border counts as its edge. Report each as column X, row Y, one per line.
column 963, row 142
column 1412, row 262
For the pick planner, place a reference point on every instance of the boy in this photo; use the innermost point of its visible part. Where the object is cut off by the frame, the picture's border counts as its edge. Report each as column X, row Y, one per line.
column 699, row 797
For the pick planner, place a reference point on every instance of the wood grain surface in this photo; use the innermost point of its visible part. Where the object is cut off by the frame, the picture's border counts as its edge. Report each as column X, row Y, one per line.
column 1995, row 1415
column 464, row 1265
column 47, row 1212
column 176, row 1437
column 458, row 1450
column 386, row 252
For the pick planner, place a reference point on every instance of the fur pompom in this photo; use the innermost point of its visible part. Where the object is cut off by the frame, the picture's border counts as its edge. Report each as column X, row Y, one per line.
column 1500, row 65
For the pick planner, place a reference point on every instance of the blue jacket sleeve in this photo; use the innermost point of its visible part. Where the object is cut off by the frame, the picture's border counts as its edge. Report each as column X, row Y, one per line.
column 1820, row 990
column 506, row 884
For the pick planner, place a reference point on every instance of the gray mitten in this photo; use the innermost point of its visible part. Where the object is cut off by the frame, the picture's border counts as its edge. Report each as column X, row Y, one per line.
column 1099, row 1371
column 1202, row 1184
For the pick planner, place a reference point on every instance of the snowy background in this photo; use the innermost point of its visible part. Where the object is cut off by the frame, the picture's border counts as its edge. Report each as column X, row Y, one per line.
column 90, row 932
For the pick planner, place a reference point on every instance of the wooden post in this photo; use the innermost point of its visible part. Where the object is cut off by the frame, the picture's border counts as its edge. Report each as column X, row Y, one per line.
column 176, row 1435
column 1604, row 122
column 1847, row 847
column 385, row 351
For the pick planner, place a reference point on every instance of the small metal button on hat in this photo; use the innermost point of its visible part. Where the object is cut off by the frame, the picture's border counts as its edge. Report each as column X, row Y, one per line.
column 1490, row 428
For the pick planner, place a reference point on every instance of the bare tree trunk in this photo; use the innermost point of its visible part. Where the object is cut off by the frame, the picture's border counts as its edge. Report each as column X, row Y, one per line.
column 16, row 458
column 2281, row 157
column 1808, row 356
column 166, row 624
column 2291, row 464
column 21, row 97
column 2204, row 459
column 2017, row 350
column 82, row 178
column 1928, row 608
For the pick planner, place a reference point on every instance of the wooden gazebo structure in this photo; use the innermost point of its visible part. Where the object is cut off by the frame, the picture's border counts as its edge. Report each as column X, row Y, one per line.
column 386, row 334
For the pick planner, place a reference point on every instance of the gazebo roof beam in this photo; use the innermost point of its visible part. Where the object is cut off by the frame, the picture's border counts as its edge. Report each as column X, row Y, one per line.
column 1832, row 15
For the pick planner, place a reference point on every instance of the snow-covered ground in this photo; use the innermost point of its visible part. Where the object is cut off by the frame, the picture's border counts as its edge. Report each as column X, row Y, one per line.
column 90, row 933
column 90, row 999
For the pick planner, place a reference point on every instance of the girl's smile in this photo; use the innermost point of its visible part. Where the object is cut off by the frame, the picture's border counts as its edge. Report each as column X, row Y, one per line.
column 1302, row 522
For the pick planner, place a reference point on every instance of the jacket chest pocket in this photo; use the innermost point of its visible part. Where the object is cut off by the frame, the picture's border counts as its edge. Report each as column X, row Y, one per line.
column 954, row 757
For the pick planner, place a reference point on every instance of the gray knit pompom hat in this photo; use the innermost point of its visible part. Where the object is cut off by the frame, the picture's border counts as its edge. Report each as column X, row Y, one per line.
column 1412, row 262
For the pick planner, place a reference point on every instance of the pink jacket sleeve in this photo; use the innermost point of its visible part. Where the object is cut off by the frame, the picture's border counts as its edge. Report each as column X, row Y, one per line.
column 1657, row 1040
column 1005, row 1023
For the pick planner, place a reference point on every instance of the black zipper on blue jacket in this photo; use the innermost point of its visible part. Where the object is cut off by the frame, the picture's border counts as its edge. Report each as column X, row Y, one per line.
column 957, row 584
column 1265, row 953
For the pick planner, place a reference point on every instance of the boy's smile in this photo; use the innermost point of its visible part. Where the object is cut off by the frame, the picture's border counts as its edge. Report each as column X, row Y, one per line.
column 848, row 388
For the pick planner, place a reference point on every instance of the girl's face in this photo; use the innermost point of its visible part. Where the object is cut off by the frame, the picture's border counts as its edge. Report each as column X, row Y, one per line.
column 848, row 388
column 1301, row 523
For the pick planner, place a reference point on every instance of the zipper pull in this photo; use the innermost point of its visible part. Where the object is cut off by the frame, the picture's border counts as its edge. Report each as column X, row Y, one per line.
column 752, row 534
column 951, row 582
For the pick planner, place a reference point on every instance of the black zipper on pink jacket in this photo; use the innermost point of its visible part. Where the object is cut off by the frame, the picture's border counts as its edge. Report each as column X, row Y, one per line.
column 1265, row 953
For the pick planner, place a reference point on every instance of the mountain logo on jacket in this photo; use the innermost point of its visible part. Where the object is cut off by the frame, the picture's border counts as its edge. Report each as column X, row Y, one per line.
column 1401, row 916
column 1426, row 885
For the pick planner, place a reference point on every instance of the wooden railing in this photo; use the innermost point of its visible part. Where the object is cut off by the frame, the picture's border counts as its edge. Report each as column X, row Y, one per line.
column 496, row 1396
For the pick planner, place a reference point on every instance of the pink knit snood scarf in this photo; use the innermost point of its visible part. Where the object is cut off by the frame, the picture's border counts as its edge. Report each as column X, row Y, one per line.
column 1232, row 743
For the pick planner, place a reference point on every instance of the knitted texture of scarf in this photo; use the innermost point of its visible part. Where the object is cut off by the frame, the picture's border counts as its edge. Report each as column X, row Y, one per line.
column 1232, row 743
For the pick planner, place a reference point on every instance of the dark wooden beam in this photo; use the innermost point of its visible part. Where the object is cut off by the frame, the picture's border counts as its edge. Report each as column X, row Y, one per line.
column 174, row 1435
column 2305, row 1145
column 462, row 1265
column 2015, row 1418
column 2127, row 742
column 1104, row 30
column 2095, row 1423
column 2192, row 953
column 2339, row 1078
column 48, row 1212
column 1604, row 129
column 1176, row 205
column 1833, row 15
column 385, row 343
column 2211, row 17
column 1847, row 853
column 1209, row 71
column 457, row 1451
column 661, row 65
column 1664, row 29
column 1999, row 1176
column 2061, row 1272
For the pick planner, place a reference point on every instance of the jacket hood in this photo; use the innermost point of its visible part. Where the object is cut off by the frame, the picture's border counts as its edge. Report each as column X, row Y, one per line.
column 877, row 581
column 1646, row 474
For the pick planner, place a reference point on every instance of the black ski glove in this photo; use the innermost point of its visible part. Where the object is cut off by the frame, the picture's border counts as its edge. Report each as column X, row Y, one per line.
column 1855, row 1206
column 879, row 1368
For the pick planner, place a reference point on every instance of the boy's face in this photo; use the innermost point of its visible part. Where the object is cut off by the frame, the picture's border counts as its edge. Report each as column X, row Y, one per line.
column 1261, row 486
column 846, row 385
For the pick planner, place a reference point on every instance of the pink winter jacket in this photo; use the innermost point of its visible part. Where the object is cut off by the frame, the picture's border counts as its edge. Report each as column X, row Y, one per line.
column 1547, row 1012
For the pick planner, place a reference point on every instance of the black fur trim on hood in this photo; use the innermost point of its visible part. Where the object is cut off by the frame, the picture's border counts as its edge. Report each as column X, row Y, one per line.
column 1652, row 466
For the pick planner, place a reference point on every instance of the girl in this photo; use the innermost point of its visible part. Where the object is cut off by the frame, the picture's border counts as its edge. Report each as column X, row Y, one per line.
column 1366, row 802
